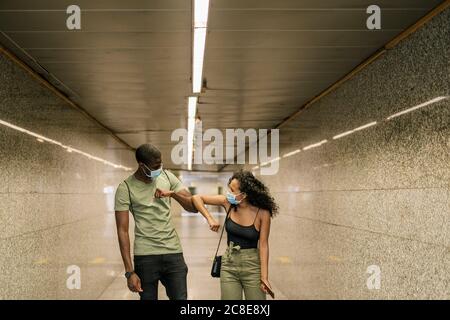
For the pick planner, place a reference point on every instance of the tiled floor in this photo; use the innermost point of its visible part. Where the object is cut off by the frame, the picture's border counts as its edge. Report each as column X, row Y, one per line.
column 199, row 244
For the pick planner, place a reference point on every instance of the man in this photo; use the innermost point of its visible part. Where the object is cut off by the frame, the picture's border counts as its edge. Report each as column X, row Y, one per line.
column 158, row 255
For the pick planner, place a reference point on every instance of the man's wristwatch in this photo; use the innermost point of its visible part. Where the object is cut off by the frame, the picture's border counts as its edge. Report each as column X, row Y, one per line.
column 128, row 274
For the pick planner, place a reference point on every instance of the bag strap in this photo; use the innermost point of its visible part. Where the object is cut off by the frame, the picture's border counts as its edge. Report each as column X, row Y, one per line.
column 168, row 178
column 129, row 195
column 223, row 228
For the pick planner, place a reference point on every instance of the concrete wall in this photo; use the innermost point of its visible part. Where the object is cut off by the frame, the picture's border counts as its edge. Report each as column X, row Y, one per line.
column 55, row 205
column 379, row 196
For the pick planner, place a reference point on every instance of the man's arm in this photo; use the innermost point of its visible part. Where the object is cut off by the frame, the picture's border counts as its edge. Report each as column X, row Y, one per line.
column 122, row 223
column 183, row 197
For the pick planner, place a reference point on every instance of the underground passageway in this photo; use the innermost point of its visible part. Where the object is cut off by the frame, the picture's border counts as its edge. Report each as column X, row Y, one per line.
column 341, row 107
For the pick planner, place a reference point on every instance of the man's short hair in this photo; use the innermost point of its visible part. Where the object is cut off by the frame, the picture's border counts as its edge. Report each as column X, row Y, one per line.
column 147, row 153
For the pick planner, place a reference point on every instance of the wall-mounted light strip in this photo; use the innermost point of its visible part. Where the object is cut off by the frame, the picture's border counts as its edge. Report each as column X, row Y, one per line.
column 315, row 145
column 354, row 130
column 289, row 154
column 201, row 8
column 271, row 161
column 371, row 124
column 42, row 139
column 192, row 110
column 417, row 107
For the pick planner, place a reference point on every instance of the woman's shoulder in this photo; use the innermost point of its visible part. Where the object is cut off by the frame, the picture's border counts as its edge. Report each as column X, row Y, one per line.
column 263, row 213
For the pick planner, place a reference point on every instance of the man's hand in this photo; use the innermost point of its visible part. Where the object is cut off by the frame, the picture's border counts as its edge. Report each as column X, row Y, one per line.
column 163, row 193
column 134, row 283
column 213, row 224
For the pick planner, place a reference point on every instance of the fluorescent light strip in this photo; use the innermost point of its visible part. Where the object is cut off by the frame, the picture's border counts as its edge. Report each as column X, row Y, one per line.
column 291, row 153
column 191, row 126
column 201, row 8
column 192, row 110
column 192, row 107
column 417, row 107
column 315, row 145
column 41, row 139
column 199, row 55
column 354, row 130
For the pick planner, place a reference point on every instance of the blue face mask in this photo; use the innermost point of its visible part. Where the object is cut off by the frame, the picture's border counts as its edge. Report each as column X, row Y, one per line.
column 232, row 198
column 153, row 173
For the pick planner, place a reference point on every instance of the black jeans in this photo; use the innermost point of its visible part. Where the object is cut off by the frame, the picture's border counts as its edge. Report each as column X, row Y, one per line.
column 171, row 269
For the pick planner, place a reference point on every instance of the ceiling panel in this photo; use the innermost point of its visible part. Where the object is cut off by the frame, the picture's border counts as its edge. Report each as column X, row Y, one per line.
column 130, row 65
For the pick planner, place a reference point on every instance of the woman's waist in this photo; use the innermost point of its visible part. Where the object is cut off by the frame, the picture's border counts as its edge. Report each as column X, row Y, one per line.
column 241, row 249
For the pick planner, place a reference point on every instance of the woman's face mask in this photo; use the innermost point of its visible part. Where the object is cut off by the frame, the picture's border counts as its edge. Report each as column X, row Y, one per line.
column 232, row 198
column 153, row 174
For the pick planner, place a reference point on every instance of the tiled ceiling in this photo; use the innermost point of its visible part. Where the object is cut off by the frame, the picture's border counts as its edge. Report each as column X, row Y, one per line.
column 130, row 65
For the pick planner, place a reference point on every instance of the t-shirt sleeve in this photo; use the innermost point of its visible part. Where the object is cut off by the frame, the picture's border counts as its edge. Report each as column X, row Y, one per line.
column 175, row 183
column 122, row 198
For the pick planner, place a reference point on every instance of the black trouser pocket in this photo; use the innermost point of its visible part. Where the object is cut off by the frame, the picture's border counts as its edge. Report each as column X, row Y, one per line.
column 170, row 269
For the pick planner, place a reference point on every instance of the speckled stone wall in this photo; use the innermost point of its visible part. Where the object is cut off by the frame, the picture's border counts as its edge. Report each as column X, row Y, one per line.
column 55, row 206
column 379, row 196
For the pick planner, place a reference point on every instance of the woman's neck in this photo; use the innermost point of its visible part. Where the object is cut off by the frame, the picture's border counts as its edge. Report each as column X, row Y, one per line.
column 244, row 204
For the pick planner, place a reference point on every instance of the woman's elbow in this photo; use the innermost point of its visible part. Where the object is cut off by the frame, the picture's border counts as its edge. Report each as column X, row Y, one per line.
column 263, row 245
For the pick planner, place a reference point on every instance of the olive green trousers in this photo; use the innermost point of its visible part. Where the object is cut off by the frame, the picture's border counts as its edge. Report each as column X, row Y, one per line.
column 241, row 273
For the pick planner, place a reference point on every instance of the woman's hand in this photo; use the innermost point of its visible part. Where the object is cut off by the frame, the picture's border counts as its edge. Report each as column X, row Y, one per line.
column 163, row 193
column 213, row 224
column 265, row 286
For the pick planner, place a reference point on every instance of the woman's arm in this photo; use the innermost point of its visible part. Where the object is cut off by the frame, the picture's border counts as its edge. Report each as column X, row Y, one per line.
column 199, row 202
column 264, row 248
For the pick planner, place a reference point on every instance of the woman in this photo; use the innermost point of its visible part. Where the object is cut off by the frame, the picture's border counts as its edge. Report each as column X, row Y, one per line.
column 244, row 264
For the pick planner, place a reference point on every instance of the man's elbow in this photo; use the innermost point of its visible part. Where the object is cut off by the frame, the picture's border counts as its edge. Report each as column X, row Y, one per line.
column 191, row 209
column 122, row 231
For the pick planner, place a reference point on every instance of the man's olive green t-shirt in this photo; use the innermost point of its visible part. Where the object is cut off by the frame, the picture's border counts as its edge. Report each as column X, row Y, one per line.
column 154, row 232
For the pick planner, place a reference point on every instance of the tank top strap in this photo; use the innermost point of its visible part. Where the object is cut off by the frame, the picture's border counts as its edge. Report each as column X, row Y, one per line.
column 256, row 216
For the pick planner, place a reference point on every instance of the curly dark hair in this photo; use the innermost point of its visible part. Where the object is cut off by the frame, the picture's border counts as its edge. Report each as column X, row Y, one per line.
column 258, row 194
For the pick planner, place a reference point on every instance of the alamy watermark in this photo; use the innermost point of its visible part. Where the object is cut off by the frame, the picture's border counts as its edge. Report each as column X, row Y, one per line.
column 74, row 279
column 221, row 149
column 73, row 22
column 374, row 280
column 374, row 20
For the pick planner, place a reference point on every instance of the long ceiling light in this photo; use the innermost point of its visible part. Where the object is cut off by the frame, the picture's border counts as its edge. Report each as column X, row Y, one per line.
column 201, row 8
column 192, row 110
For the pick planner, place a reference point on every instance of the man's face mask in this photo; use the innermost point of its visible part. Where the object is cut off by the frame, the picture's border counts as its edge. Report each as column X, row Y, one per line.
column 232, row 198
column 152, row 174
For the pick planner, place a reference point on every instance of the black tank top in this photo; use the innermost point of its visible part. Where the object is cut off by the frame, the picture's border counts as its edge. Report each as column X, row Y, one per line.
column 245, row 236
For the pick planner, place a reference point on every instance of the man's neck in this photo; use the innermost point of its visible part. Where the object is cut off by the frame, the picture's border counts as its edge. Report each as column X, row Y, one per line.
column 138, row 175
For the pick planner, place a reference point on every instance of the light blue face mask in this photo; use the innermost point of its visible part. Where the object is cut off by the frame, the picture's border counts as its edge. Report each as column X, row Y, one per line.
column 153, row 173
column 232, row 198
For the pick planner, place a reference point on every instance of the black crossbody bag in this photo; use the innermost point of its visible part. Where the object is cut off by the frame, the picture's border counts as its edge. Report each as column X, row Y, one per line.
column 217, row 263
